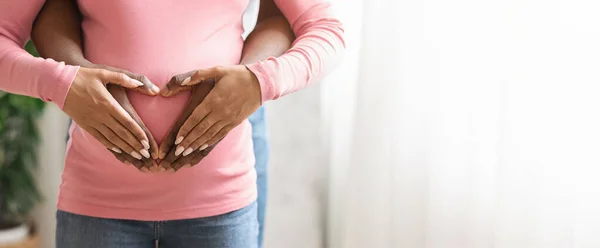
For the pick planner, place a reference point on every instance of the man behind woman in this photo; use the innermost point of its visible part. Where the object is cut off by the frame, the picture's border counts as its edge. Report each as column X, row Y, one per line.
column 103, row 203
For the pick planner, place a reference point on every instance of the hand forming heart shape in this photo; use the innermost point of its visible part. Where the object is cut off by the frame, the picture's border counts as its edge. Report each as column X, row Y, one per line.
column 163, row 158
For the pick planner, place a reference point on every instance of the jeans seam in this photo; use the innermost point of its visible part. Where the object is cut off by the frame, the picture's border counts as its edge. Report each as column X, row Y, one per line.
column 157, row 232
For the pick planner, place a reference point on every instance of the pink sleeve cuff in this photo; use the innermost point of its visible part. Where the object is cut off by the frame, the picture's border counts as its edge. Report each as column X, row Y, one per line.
column 66, row 76
column 268, row 89
column 318, row 47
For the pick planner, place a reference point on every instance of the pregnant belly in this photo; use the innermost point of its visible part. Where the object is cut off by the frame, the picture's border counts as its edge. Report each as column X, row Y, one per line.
column 158, row 113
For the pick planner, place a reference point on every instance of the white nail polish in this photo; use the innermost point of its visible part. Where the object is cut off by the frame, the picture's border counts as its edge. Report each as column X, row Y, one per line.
column 203, row 147
column 136, row 82
column 145, row 144
column 145, row 153
column 188, row 151
column 117, row 150
column 179, row 150
column 186, row 81
column 178, row 140
column 136, row 155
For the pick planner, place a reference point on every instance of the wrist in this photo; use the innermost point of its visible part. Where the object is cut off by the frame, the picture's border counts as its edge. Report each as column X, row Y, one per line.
column 254, row 83
column 267, row 88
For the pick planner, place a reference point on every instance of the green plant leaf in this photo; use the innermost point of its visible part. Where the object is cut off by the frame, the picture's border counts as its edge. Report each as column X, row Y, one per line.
column 19, row 140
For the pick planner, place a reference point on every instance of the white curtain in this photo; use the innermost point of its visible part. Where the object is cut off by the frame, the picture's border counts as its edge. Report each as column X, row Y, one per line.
column 466, row 124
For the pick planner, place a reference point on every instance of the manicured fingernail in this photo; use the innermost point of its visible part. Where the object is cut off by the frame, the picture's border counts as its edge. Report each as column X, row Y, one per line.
column 188, row 151
column 136, row 82
column 127, row 162
column 136, row 155
column 161, row 169
column 117, row 150
column 145, row 144
column 203, row 147
column 187, row 166
column 178, row 140
column 145, row 153
column 144, row 169
column 161, row 155
column 186, row 81
column 155, row 89
column 179, row 150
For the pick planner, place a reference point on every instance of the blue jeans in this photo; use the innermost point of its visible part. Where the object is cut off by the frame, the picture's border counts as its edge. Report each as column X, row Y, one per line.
column 261, row 152
column 237, row 229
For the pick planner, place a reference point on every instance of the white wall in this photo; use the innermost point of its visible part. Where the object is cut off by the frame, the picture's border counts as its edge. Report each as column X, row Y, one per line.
column 298, row 172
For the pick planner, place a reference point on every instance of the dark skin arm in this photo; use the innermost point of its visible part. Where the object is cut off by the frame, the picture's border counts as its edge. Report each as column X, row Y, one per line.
column 272, row 36
column 57, row 34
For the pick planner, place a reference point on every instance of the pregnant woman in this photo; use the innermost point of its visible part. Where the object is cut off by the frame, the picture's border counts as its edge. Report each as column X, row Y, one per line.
column 211, row 203
column 57, row 33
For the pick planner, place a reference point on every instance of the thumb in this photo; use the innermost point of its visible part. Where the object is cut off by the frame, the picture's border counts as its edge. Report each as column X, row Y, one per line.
column 111, row 77
column 213, row 73
column 148, row 89
column 174, row 85
column 173, row 89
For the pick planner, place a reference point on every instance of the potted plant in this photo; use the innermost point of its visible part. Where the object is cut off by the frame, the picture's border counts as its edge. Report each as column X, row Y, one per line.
column 18, row 161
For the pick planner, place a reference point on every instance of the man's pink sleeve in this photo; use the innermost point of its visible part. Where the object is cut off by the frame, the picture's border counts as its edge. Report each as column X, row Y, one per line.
column 21, row 73
column 317, row 49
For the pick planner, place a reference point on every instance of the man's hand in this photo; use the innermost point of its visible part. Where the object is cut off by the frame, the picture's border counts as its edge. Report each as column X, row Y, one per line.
column 235, row 96
column 92, row 107
column 169, row 155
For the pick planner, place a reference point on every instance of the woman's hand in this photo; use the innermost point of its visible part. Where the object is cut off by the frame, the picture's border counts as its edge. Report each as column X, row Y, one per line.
column 235, row 96
column 92, row 107
column 120, row 94
column 148, row 87
column 169, row 155
column 146, row 164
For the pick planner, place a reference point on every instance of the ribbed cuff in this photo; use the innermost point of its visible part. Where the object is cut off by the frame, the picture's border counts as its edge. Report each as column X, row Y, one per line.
column 65, row 76
column 268, row 89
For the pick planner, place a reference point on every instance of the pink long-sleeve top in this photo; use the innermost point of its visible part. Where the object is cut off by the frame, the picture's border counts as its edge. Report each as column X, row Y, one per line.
column 162, row 39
